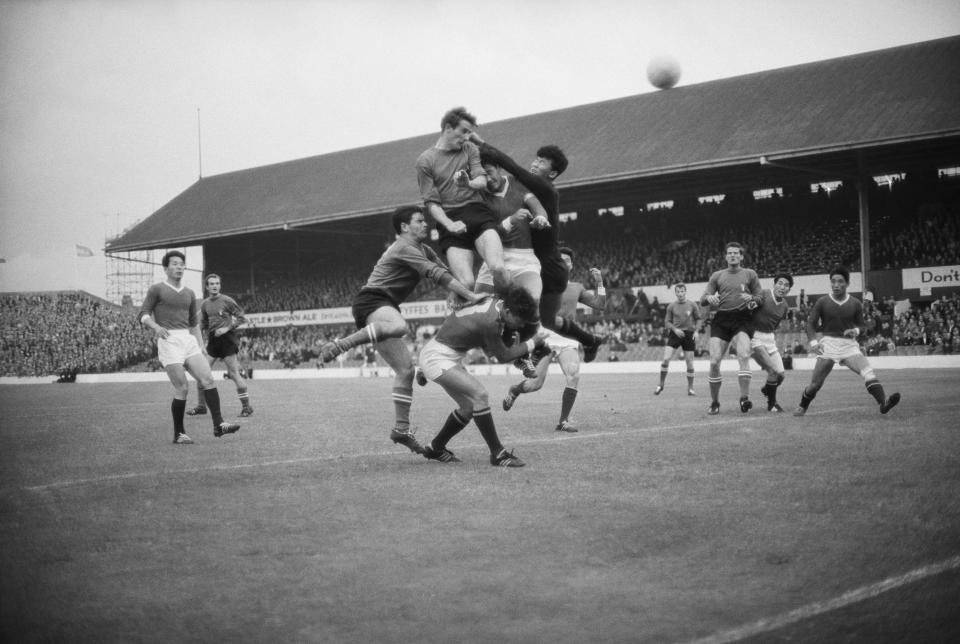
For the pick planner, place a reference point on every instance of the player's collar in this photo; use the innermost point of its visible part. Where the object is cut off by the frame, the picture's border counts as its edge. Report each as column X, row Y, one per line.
column 846, row 297
column 503, row 188
column 176, row 288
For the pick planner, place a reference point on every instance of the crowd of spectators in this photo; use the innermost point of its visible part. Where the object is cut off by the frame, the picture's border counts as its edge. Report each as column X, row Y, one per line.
column 68, row 333
column 63, row 332
column 934, row 328
column 912, row 224
column 799, row 232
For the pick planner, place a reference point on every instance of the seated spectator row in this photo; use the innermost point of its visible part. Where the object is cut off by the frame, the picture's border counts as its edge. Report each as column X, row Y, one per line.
column 48, row 333
column 801, row 233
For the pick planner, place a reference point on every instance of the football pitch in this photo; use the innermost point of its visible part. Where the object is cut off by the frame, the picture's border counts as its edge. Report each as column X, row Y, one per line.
column 654, row 523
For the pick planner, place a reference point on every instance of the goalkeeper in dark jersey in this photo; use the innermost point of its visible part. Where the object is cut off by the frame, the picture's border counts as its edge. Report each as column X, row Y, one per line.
column 549, row 163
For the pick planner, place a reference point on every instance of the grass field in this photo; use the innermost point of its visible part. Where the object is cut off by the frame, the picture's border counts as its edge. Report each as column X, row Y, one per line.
column 655, row 523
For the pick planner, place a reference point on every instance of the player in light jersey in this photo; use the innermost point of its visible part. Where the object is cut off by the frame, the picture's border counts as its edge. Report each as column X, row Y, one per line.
column 220, row 315
column 681, row 321
column 441, row 359
column 376, row 310
column 835, row 322
column 550, row 162
column 566, row 350
column 735, row 292
column 170, row 311
column 451, row 182
column 763, row 343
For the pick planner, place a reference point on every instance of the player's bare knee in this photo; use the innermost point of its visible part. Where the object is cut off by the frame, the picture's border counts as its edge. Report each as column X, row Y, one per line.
column 480, row 400
column 405, row 373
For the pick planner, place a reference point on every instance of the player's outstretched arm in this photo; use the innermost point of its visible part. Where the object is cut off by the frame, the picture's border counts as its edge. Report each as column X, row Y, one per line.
column 595, row 298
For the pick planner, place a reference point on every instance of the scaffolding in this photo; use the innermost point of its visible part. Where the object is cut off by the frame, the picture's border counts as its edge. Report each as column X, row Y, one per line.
column 129, row 275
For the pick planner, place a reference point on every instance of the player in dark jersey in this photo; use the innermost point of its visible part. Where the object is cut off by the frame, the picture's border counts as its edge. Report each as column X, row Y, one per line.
column 519, row 213
column 170, row 311
column 735, row 292
column 220, row 316
column 681, row 321
column 763, row 342
column 549, row 163
column 376, row 309
column 451, row 179
column 441, row 359
column 838, row 319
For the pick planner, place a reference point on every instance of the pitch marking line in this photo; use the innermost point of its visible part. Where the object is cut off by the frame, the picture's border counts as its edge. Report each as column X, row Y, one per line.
column 744, row 421
column 769, row 624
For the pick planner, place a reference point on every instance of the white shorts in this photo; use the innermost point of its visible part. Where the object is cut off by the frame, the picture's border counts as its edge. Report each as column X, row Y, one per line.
column 765, row 341
column 558, row 343
column 838, row 349
column 436, row 357
column 177, row 347
column 516, row 261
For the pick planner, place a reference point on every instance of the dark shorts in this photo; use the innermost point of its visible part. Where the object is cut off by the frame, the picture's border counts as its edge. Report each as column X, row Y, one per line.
column 368, row 301
column 727, row 324
column 687, row 342
column 553, row 273
column 222, row 346
column 477, row 216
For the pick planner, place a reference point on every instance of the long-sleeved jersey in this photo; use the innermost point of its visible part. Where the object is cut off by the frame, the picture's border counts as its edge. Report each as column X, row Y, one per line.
column 505, row 204
column 730, row 283
column 544, row 240
column 832, row 318
column 770, row 313
column 479, row 326
column 220, row 311
column 169, row 307
column 400, row 268
column 436, row 169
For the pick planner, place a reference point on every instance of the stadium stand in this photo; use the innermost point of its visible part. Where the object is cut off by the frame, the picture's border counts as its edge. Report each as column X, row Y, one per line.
column 60, row 333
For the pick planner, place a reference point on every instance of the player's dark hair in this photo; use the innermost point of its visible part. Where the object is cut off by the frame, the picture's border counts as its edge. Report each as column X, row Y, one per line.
column 733, row 245
column 679, row 285
column 206, row 280
column 564, row 250
column 172, row 253
column 453, row 117
column 842, row 271
column 403, row 215
column 780, row 276
column 558, row 160
column 519, row 302
column 488, row 159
